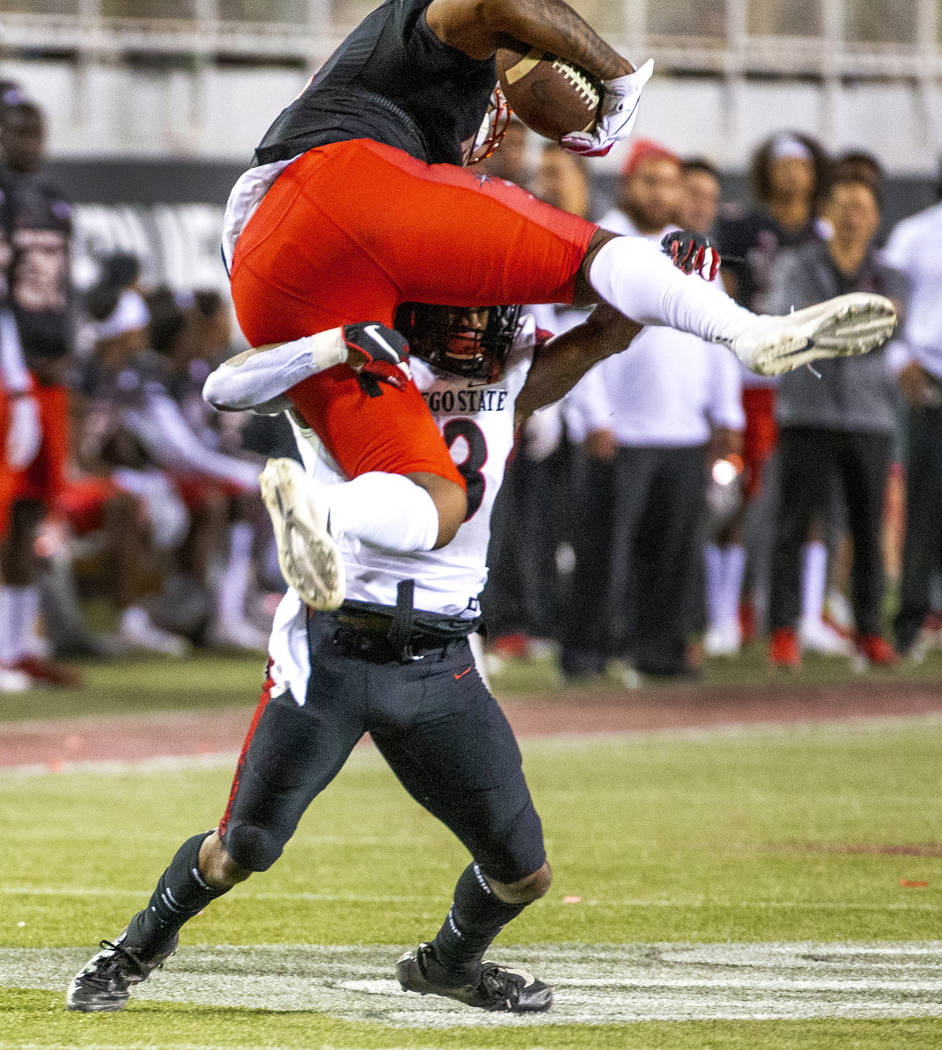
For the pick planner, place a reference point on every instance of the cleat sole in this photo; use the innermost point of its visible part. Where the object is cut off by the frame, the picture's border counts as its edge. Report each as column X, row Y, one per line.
column 309, row 558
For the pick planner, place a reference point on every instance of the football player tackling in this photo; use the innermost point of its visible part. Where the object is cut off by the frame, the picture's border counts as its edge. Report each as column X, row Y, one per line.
column 393, row 661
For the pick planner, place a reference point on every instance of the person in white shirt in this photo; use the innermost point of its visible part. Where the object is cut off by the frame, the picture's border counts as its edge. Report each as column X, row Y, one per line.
column 653, row 412
column 917, row 361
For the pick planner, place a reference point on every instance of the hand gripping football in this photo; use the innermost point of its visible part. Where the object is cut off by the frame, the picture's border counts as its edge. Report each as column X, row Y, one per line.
column 550, row 95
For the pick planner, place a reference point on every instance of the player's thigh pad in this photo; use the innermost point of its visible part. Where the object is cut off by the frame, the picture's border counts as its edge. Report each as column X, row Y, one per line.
column 392, row 431
column 449, row 743
column 350, row 230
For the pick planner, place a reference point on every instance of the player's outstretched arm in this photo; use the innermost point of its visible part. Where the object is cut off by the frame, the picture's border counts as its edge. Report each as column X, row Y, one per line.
column 566, row 358
column 480, row 27
column 258, row 378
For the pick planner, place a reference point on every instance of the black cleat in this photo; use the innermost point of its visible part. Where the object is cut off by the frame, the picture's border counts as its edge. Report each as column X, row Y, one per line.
column 496, row 987
column 105, row 982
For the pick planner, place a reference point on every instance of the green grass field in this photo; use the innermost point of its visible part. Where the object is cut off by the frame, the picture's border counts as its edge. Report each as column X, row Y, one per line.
column 702, row 880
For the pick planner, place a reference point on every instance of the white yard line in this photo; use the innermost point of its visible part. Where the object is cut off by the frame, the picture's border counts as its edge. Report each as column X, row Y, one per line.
column 593, row 983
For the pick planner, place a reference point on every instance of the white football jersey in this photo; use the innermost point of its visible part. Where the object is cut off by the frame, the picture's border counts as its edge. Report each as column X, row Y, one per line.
column 476, row 419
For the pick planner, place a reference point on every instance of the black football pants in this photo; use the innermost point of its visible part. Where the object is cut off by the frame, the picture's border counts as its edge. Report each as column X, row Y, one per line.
column 809, row 460
column 435, row 723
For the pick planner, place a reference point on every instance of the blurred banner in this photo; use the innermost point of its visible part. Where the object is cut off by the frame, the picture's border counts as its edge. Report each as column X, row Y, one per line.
column 178, row 244
column 167, row 213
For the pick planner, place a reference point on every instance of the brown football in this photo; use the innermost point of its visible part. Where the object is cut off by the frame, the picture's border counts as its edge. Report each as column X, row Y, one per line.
column 550, row 95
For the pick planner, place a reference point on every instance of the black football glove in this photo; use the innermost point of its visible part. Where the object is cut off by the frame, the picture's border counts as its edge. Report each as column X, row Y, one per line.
column 386, row 353
column 692, row 253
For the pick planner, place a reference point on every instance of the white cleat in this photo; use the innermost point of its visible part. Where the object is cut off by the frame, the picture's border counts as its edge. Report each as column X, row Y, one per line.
column 841, row 327
column 13, row 681
column 816, row 636
column 137, row 631
column 309, row 558
column 239, row 635
column 723, row 639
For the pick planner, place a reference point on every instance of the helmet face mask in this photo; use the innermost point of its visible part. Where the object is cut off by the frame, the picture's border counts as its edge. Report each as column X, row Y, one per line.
column 472, row 342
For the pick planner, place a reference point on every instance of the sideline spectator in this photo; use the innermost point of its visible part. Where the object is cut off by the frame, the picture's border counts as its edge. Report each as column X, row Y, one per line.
column 192, row 493
column 835, row 421
column 917, row 361
column 36, row 341
column 219, row 489
column 158, row 520
column 700, row 201
column 786, row 177
column 653, row 406
column 863, row 165
column 699, row 208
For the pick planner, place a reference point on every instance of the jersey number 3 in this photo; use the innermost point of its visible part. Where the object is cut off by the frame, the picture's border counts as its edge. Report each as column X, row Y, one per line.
column 470, row 467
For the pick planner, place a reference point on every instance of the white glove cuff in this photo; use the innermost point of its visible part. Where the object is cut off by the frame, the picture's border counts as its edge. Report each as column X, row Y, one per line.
column 623, row 92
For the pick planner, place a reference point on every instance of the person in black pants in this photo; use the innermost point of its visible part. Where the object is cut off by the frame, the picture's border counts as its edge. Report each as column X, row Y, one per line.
column 917, row 360
column 922, row 549
column 836, row 421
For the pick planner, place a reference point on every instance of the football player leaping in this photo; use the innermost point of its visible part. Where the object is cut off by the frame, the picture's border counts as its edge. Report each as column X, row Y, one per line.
column 393, row 660
column 359, row 200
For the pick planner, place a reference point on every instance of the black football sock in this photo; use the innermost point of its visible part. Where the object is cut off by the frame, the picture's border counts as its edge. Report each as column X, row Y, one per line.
column 181, row 893
column 476, row 917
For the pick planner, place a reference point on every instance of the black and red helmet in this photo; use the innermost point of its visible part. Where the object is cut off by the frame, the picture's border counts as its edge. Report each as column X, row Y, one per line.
column 467, row 341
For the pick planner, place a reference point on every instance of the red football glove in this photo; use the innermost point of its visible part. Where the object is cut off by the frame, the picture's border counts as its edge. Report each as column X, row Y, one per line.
column 386, row 354
column 692, row 253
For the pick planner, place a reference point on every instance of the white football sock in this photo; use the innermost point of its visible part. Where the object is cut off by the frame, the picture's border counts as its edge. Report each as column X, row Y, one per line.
column 230, row 595
column 384, row 510
column 734, row 572
column 19, row 610
column 814, row 575
column 638, row 279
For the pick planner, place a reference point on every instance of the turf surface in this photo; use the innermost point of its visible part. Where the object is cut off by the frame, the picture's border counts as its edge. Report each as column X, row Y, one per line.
column 786, row 834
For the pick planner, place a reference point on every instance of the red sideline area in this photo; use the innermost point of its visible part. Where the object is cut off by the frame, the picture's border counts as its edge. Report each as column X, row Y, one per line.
column 158, row 735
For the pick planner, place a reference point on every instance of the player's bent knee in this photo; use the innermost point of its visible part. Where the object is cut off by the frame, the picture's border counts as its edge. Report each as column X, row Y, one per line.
column 217, row 866
column 526, row 890
column 536, row 885
column 252, row 848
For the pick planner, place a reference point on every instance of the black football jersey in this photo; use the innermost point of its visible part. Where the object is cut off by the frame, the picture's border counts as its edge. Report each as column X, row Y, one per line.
column 35, row 277
column 749, row 243
column 392, row 80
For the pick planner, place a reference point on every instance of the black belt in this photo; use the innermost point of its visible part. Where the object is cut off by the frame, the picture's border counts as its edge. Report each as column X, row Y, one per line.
column 384, row 633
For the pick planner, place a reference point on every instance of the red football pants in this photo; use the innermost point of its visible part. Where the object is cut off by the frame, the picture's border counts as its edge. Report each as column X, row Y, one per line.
column 760, row 436
column 351, row 230
column 44, row 477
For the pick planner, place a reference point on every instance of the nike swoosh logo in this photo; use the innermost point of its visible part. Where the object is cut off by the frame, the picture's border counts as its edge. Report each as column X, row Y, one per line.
column 463, row 673
column 618, row 131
